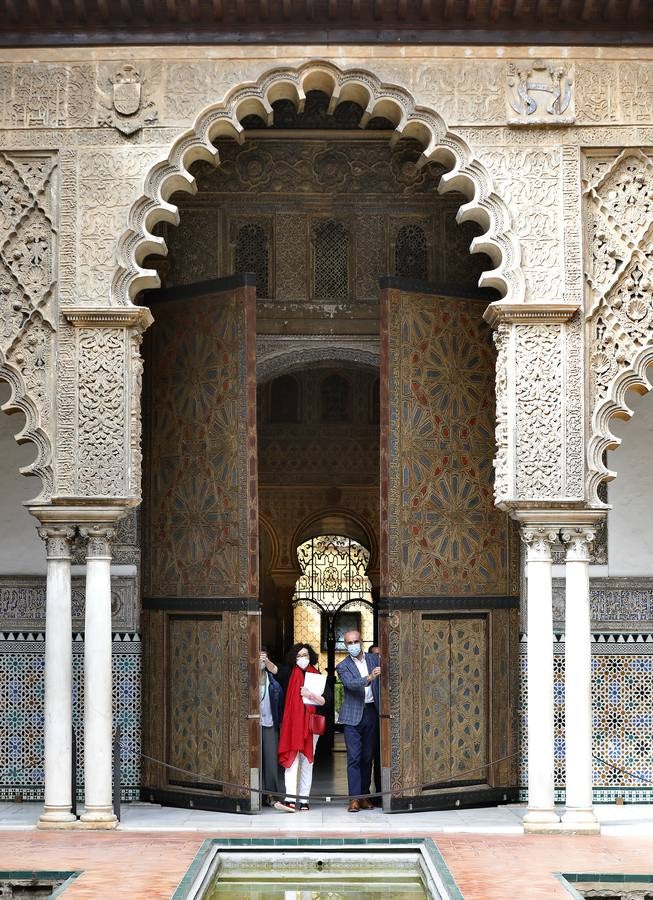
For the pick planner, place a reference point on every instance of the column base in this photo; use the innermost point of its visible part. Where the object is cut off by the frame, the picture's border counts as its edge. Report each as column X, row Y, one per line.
column 56, row 818
column 98, row 820
column 580, row 821
column 541, row 821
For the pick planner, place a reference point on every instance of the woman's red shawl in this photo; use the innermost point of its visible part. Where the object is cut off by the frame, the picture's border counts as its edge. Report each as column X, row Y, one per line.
column 295, row 736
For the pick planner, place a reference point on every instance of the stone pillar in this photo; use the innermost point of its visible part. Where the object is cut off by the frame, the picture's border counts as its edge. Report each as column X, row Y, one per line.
column 541, row 815
column 97, row 680
column 58, row 679
column 578, row 686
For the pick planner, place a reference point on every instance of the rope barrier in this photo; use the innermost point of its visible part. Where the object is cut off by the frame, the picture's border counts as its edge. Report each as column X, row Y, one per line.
column 396, row 791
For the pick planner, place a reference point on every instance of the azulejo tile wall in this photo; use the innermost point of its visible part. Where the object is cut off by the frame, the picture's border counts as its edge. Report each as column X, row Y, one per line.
column 622, row 720
column 22, row 665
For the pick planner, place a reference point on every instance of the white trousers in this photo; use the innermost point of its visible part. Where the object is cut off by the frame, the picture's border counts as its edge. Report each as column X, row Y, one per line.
column 299, row 776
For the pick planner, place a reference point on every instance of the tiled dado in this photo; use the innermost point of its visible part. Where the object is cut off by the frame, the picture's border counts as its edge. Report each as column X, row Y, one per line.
column 21, row 711
column 622, row 720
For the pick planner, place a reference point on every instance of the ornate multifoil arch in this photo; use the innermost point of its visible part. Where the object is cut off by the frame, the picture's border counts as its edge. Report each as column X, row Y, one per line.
column 636, row 377
column 32, row 432
column 465, row 174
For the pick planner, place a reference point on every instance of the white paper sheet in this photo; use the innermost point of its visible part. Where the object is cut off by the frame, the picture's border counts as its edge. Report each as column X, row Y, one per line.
column 315, row 683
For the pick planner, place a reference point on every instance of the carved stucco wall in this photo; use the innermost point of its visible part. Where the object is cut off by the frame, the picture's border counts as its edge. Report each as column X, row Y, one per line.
column 78, row 170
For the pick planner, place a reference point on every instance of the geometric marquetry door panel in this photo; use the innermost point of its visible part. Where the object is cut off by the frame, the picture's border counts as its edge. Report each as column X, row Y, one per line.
column 448, row 586
column 200, row 547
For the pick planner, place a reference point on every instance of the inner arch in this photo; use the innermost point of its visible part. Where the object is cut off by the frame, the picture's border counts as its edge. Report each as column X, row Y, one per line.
column 380, row 104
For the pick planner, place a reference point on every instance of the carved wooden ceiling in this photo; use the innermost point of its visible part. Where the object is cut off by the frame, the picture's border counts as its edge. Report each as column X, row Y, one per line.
column 61, row 22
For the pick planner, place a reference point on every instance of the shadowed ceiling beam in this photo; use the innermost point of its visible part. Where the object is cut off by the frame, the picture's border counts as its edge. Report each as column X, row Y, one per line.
column 332, row 9
column 217, row 9
column 425, row 9
column 194, row 8
column 470, row 12
column 402, row 9
column 633, row 9
column 495, row 10
column 33, row 9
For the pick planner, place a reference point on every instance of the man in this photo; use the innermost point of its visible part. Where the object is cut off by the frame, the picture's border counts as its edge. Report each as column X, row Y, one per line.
column 359, row 715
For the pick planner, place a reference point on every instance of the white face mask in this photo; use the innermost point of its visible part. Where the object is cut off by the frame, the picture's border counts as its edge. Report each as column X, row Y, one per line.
column 302, row 662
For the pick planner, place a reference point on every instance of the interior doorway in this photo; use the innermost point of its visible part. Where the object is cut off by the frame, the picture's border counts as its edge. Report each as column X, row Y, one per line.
column 276, row 440
column 318, row 444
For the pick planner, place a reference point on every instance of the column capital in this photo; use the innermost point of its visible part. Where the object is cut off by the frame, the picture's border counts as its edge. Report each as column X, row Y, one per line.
column 58, row 540
column 538, row 539
column 99, row 536
column 578, row 540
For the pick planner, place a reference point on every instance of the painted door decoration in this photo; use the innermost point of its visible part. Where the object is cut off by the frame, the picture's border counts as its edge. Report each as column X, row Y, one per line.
column 449, row 562
column 200, row 545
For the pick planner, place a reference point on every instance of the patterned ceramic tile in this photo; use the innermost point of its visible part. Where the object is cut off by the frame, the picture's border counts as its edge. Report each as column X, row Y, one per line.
column 21, row 714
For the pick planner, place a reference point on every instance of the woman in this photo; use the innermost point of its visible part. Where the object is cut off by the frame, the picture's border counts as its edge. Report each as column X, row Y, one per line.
column 296, row 741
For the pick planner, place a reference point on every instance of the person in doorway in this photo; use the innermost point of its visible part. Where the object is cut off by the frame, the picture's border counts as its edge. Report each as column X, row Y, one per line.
column 375, row 650
column 271, row 698
column 359, row 714
column 297, row 742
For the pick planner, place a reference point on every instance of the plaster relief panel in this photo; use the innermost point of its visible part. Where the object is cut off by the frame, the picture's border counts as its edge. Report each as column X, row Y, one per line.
column 462, row 92
column 109, row 181
column 192, row 85
column 529, row 181
column 618, row 201
column 539, row 412
column 47, row 96
column 101, row 412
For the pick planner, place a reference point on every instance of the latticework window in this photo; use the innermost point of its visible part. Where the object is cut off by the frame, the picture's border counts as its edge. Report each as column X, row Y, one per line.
column 330, row 260
column 411, row 257
column 335, row 397
column 252, row 255
column 285, row 400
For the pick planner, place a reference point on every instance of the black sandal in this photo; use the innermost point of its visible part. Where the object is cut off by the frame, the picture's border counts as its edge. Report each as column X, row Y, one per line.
column 303, row 806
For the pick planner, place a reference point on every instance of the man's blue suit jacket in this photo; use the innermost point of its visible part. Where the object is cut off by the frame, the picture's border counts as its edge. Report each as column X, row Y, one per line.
column 353, row 704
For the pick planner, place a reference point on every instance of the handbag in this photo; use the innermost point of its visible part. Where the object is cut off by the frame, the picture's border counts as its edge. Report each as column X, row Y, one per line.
column 317, row 723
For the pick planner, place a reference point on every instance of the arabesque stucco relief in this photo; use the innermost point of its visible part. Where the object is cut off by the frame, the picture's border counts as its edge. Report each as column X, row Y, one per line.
column 92, row 151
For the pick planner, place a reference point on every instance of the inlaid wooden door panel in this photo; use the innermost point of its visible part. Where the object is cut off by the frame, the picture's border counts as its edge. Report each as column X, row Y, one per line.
column 200, row 546
column 449, row 558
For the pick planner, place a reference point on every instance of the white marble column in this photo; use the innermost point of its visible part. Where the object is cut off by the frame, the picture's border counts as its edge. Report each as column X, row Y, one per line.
column 541, row 815
column 58, row 679
column 578, row 684
column 97, row 680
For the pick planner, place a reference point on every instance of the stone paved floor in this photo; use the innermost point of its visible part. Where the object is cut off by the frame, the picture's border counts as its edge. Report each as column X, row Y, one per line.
column 487, row 854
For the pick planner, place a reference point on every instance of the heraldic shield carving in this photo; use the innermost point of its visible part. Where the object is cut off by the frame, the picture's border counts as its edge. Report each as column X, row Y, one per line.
column 124, row 106
column 539, row 92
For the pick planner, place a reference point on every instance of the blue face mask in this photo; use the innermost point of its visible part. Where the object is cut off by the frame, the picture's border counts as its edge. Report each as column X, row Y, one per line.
column 354, row 649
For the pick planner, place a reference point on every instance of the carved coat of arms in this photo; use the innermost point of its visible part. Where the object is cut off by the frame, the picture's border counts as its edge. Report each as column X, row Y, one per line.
column 539, row 92
column 125, row 109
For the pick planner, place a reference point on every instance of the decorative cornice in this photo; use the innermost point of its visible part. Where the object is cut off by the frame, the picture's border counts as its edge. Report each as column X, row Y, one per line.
column 77, row 515
column 559, row 518
column 109, row 317
column 529, row 313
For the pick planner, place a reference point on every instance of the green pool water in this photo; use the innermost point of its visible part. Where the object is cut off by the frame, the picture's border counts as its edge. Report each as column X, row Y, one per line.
column 357, row 887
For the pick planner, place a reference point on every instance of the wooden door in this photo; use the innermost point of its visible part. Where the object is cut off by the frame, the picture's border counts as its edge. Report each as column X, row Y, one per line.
column 449, row 576
column 200, row 548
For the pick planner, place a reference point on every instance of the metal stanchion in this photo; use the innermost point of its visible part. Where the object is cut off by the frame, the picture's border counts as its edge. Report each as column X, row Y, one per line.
column 73, row 775
column 116, row 773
